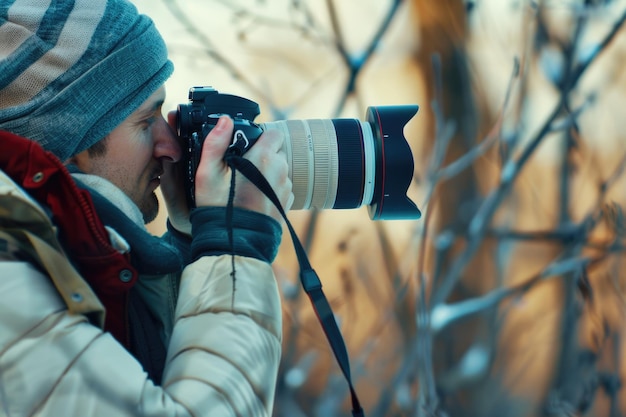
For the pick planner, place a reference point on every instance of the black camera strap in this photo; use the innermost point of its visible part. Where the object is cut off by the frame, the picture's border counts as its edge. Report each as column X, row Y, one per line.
column 308, row 277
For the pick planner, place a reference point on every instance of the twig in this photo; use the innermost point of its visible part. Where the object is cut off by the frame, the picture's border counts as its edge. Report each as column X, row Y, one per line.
column 582, row 67
column 353, row 63
column 208, row 46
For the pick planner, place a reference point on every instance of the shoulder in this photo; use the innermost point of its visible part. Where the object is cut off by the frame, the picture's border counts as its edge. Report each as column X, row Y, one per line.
column 28, row 299
column 21, row 210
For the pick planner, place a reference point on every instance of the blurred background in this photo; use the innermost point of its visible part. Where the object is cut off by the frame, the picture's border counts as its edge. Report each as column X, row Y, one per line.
column 507, row 297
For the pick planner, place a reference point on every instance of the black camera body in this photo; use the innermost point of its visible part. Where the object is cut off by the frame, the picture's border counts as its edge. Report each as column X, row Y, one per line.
column 245, row 134
column 196, row 119
column 333, row 163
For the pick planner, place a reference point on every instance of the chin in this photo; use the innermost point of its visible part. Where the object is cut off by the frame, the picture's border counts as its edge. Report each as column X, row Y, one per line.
column 150, row 208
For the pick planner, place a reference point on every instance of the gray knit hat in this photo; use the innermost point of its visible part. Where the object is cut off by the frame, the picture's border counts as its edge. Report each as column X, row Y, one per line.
column 72, row 70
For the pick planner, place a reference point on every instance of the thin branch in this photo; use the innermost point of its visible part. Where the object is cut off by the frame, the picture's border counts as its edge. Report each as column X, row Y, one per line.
column 444, row 314
column 617, row 173
column 355, row 64
column 209, row 48
column 456, row 167
column 582, row 67
column 428, row 400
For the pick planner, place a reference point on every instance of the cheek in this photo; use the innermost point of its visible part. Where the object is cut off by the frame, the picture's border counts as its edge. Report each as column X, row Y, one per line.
column 128, row 161
column 128, row 155
column 135, row 149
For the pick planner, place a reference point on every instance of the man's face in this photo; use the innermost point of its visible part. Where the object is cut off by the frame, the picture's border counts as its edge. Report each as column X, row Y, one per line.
column 134, row 154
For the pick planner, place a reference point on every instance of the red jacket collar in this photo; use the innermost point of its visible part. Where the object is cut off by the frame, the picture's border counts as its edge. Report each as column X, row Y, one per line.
column 80, row 230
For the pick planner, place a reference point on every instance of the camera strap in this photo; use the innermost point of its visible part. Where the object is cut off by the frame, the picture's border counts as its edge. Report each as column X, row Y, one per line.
column 308, row 277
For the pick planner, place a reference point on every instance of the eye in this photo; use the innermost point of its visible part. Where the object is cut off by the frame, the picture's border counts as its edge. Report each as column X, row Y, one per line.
column 147, row 123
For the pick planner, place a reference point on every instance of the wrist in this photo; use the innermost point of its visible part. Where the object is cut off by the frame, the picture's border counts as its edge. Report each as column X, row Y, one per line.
column 253, row 234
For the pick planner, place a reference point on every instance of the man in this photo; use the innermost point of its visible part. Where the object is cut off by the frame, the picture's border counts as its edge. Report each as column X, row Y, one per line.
column 98, row 317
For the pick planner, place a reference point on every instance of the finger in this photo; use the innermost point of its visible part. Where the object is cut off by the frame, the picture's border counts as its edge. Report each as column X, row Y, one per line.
column 276, row 140
column 270, row 142
column 171, row 120
column 215, row 145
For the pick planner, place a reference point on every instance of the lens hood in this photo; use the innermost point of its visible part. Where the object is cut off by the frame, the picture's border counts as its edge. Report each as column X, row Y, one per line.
column 394, row 164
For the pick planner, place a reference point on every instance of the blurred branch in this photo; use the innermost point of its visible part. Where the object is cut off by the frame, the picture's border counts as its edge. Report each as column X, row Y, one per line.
column 427, row 399
column 208, row 47
column 444, row 132
column 355, row 62
column 617, row 173
column 582, row 67
column 512, row 168
column 445, row 314
column 418, row 359
column 456, row 167
column 570, row 371
column 612, row 382
column 299, row 7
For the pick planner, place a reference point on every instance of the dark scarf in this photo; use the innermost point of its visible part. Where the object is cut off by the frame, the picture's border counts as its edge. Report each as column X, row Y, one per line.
column 150, row 255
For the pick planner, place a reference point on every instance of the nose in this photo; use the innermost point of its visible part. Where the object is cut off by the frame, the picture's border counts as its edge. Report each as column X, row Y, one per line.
column 166, row 145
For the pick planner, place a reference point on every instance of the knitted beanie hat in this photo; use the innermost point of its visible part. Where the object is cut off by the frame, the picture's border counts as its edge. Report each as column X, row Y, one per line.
column 72, row 70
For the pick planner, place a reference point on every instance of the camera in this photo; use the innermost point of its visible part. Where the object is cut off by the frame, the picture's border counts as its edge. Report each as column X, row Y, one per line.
column 333, row 163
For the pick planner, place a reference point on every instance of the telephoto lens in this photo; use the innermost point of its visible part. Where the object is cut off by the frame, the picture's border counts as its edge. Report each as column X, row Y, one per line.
column 333, row 163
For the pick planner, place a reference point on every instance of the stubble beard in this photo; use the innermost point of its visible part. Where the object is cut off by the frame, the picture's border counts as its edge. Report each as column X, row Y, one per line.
column 149, row 208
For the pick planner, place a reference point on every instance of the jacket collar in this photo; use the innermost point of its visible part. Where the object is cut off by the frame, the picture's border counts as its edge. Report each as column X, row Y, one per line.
column 150, row 254
column 77, row 226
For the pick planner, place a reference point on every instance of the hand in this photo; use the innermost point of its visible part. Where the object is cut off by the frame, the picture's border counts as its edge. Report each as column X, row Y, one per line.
column 213, row 175
column 172, row 188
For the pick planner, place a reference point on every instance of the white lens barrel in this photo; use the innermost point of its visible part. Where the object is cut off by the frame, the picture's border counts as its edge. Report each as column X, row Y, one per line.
column 315, row 157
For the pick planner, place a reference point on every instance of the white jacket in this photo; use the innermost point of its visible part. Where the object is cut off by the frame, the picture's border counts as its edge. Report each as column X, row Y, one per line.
column 222, row 359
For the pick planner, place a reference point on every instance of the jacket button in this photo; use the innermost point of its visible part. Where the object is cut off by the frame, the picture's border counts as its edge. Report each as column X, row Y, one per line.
column 126, row 275
column 38, row 177
column 77, row 297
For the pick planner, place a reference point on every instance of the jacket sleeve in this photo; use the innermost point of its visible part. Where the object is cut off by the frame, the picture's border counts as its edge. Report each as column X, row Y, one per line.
column 222, row 359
